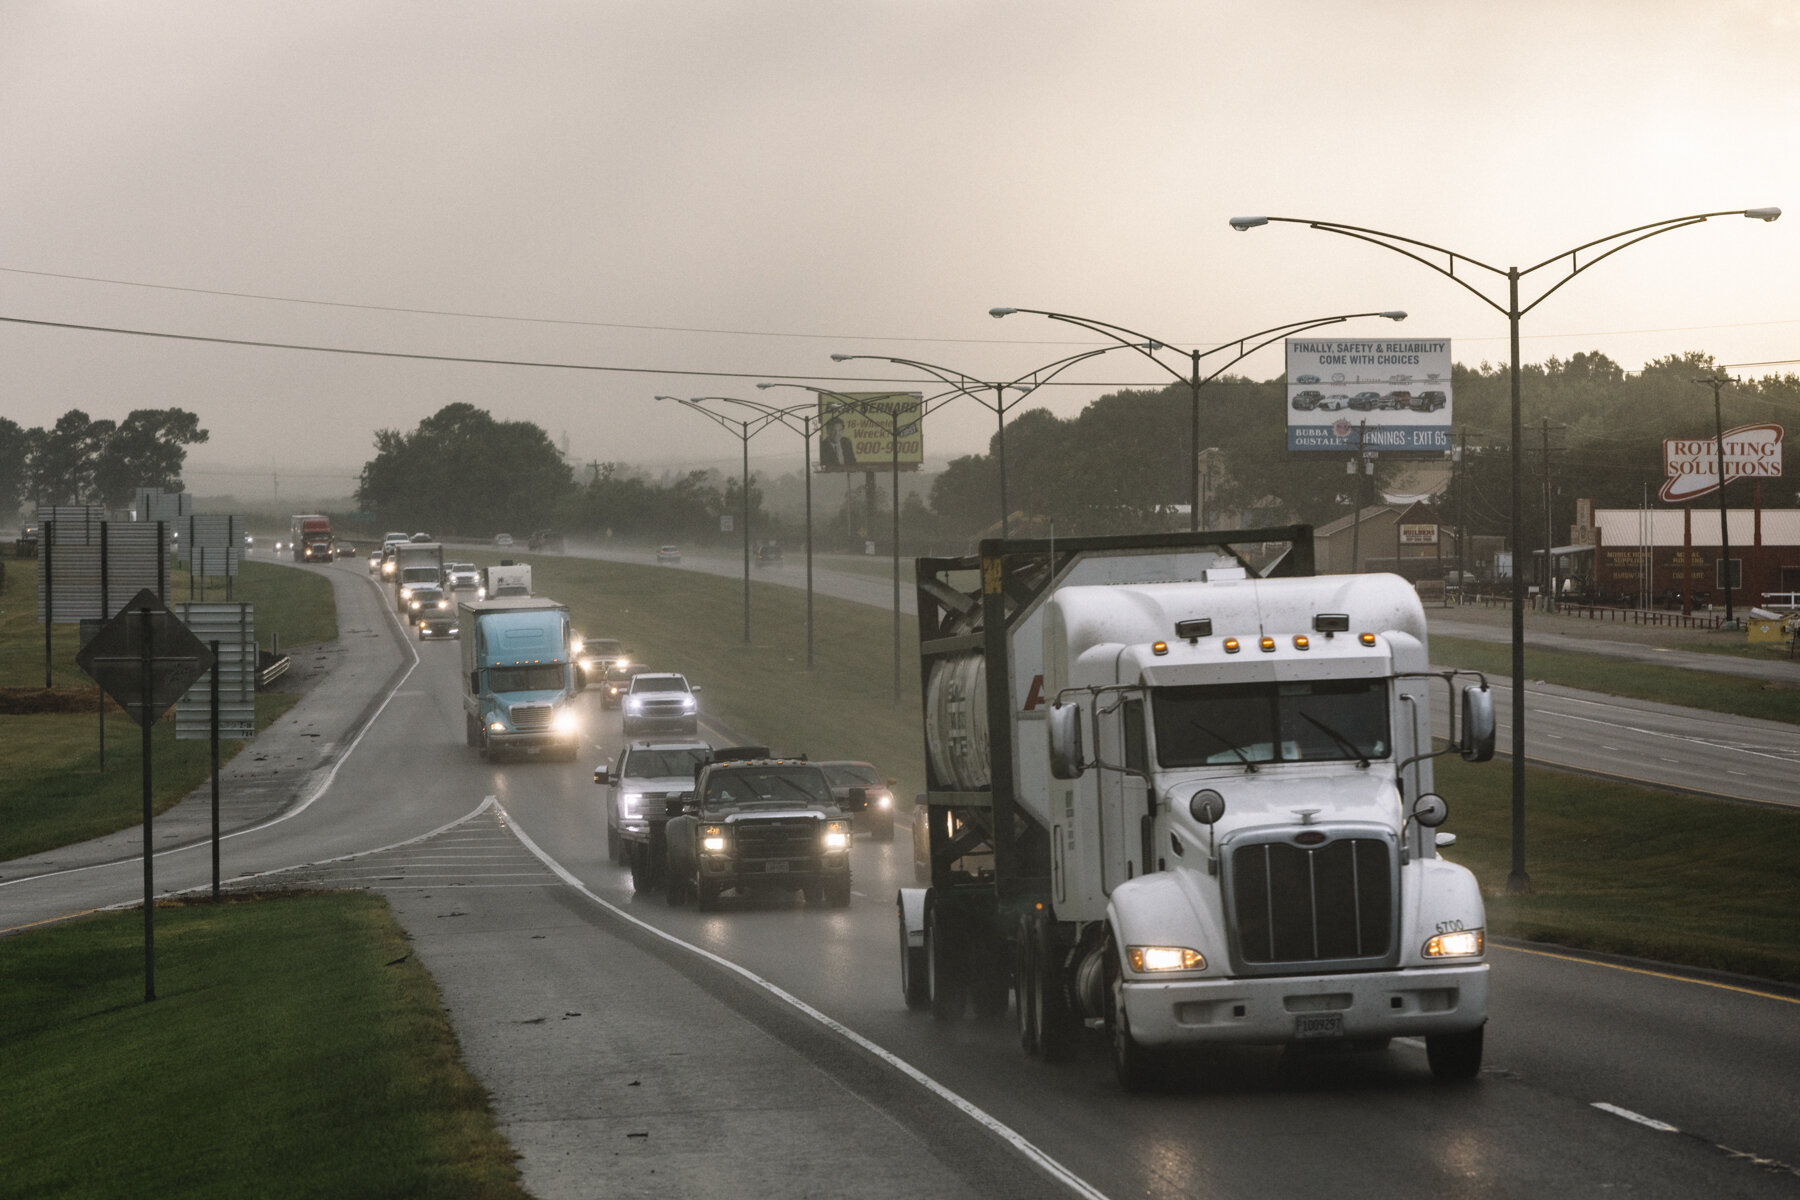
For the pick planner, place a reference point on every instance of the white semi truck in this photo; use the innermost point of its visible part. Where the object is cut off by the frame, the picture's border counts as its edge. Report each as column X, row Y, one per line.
column 1186, row 804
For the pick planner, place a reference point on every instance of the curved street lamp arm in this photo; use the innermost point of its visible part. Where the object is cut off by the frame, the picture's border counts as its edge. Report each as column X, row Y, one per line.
column 1576, row 266
column 1399, row 244
column 1105, row 329
column 1044, row 374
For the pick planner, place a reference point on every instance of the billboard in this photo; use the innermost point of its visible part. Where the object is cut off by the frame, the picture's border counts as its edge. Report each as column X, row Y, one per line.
column 1692, row 464
column 857, row 430
column 1393, row 392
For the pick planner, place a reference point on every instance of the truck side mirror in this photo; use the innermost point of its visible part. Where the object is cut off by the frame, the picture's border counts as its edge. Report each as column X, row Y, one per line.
column 1430, row 810
column 600, row 776
column 1478, row 724
column 1064, row 721
column 859, row 797
column 694, row 688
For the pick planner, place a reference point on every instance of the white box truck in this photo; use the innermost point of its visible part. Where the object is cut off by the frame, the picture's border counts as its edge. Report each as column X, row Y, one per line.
column 1183, row 803
column 507, row 579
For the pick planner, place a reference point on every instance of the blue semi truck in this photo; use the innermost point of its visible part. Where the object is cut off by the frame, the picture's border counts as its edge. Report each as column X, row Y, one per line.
column 519, row 677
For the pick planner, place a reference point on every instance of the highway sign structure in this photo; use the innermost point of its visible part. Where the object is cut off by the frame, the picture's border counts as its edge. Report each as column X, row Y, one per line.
column 145, row 658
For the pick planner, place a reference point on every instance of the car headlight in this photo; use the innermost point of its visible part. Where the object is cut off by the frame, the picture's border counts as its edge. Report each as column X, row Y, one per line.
column 406, row 593
column 712, row 839
column 884, row 801
column 566, row 721
column 1464, row 943
column 443, row 604
column 837, row 835
column 1164, row 958
column 481, row 593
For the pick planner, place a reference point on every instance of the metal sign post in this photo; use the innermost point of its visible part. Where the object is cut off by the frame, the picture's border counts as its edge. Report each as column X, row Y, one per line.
column 144, row 658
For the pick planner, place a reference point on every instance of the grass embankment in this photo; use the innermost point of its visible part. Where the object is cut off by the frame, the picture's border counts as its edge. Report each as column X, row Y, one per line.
column 294, row 1050
column 1627, row 870
column 1615, row 867
column 687, row 621
column 1731, row 694
column 54, row 792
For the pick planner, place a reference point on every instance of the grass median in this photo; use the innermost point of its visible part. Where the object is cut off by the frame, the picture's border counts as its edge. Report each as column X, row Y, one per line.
column 295, row 1049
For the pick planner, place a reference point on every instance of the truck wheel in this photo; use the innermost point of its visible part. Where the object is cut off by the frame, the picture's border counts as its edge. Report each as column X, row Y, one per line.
column 612, row 844
column 1131, row 1063
column 837, row 892
column 1058, row 1031
column 471, row 730
column 706, row 894
column 639, row 857
column 945, row 968
column 914, row 973
column 1454, row 1057
column 675, row 888
column 1025, row 973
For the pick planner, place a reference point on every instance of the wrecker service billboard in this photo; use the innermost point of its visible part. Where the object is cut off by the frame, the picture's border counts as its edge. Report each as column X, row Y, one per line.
column 1377, row 394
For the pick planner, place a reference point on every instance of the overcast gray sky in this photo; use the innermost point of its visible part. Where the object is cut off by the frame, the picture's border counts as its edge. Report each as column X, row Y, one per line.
column 748, row 187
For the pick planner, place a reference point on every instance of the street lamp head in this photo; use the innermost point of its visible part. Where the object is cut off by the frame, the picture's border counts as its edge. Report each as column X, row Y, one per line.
column 1396, row 315
column 1001, row 312
column 677, row 399
column 766, row 385
column 842, row 357
column 1244, row 224
column 1763, row 214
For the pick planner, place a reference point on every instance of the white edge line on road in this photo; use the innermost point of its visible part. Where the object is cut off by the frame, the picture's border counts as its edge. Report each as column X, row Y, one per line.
column 323, row 786
column 1017, row 1140
column 1639, row 1118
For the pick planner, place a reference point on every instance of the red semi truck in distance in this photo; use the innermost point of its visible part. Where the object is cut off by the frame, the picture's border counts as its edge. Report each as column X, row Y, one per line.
column 309, row 535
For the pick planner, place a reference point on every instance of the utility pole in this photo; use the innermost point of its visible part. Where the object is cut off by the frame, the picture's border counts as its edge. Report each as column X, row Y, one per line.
column 1460, row 467
column 1549, row 529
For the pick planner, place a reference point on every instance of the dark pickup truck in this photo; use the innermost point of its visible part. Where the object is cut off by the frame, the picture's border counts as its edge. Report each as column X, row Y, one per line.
column 759, row 825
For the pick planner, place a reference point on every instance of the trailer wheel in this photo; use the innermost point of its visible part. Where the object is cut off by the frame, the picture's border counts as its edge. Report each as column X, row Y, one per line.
column 1025, row 976
column 944, row 960
column 1455, row 1057
column 914, row 973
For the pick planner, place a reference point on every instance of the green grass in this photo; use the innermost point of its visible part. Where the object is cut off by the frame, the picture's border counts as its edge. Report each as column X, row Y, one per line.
column 1615, row 677
column 298, row 605
column 53, row 792
column 1627, row 870
column 294, row 1050
column 679, row 620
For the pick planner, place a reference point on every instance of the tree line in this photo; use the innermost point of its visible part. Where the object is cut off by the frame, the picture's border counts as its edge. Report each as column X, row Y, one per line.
column 1120, row 465
column 83, row 460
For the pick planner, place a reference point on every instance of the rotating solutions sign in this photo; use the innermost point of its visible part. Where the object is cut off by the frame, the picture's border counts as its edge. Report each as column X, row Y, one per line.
column 1388, row 394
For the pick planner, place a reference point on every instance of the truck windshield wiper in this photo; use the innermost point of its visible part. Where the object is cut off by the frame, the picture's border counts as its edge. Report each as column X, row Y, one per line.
column 1344, row 743
column 1249, row 767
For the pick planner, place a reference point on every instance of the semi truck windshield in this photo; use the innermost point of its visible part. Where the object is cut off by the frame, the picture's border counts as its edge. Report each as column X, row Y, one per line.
column 1304, row 721
column 537, row 677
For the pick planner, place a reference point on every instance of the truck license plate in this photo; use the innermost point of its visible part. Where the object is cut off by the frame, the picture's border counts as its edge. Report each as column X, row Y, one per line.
column 775, row 867
column 1319, row 1025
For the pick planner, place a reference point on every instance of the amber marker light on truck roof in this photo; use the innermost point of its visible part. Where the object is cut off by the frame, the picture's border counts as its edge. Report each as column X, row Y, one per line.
column 1159, row 647
column 1231, row 645
column 1367, row 639
column 1301, row 642
column 1266, row 644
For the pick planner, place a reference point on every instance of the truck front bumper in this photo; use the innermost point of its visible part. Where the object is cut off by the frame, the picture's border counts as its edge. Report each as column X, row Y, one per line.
column 543, row 739
column 774, row 873
column 1408, row 1002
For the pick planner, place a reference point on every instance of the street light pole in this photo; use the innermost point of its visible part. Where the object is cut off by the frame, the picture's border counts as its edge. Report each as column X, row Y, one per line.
column 1715, row 383
column 1605, row 247
column 967, row 385
column 744, row 429
column 1150, row 347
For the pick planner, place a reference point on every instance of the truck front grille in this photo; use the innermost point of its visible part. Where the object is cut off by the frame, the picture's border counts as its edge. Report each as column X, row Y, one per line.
column 1296, row 906
column 790, row 838
column 532, row 716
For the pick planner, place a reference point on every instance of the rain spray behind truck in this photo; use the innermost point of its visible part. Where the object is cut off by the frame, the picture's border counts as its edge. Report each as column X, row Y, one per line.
column 1183, row 802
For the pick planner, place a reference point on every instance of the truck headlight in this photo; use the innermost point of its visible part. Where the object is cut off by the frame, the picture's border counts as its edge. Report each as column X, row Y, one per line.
column 632, row 703
column 497, row 726
column 689, row 704
column 566, row 721
column 414, row 603
column 712, row 839
column 884, row 801
column 443, row 604
column 629, row 802
column 1147, row 959
column 837, row 835
column 1465, row 943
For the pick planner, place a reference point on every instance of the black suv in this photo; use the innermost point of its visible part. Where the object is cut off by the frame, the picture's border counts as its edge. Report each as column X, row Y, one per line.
column 760, row 825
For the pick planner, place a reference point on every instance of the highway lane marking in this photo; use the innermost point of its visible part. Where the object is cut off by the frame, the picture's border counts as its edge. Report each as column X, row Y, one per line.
column 1640, row 1118
column 1006, row 1133
column 1757, row 1160
column 1724, row 987
column 206, row 843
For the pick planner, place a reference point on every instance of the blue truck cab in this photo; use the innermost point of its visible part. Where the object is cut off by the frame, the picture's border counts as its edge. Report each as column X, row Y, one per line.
column 518, row 676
